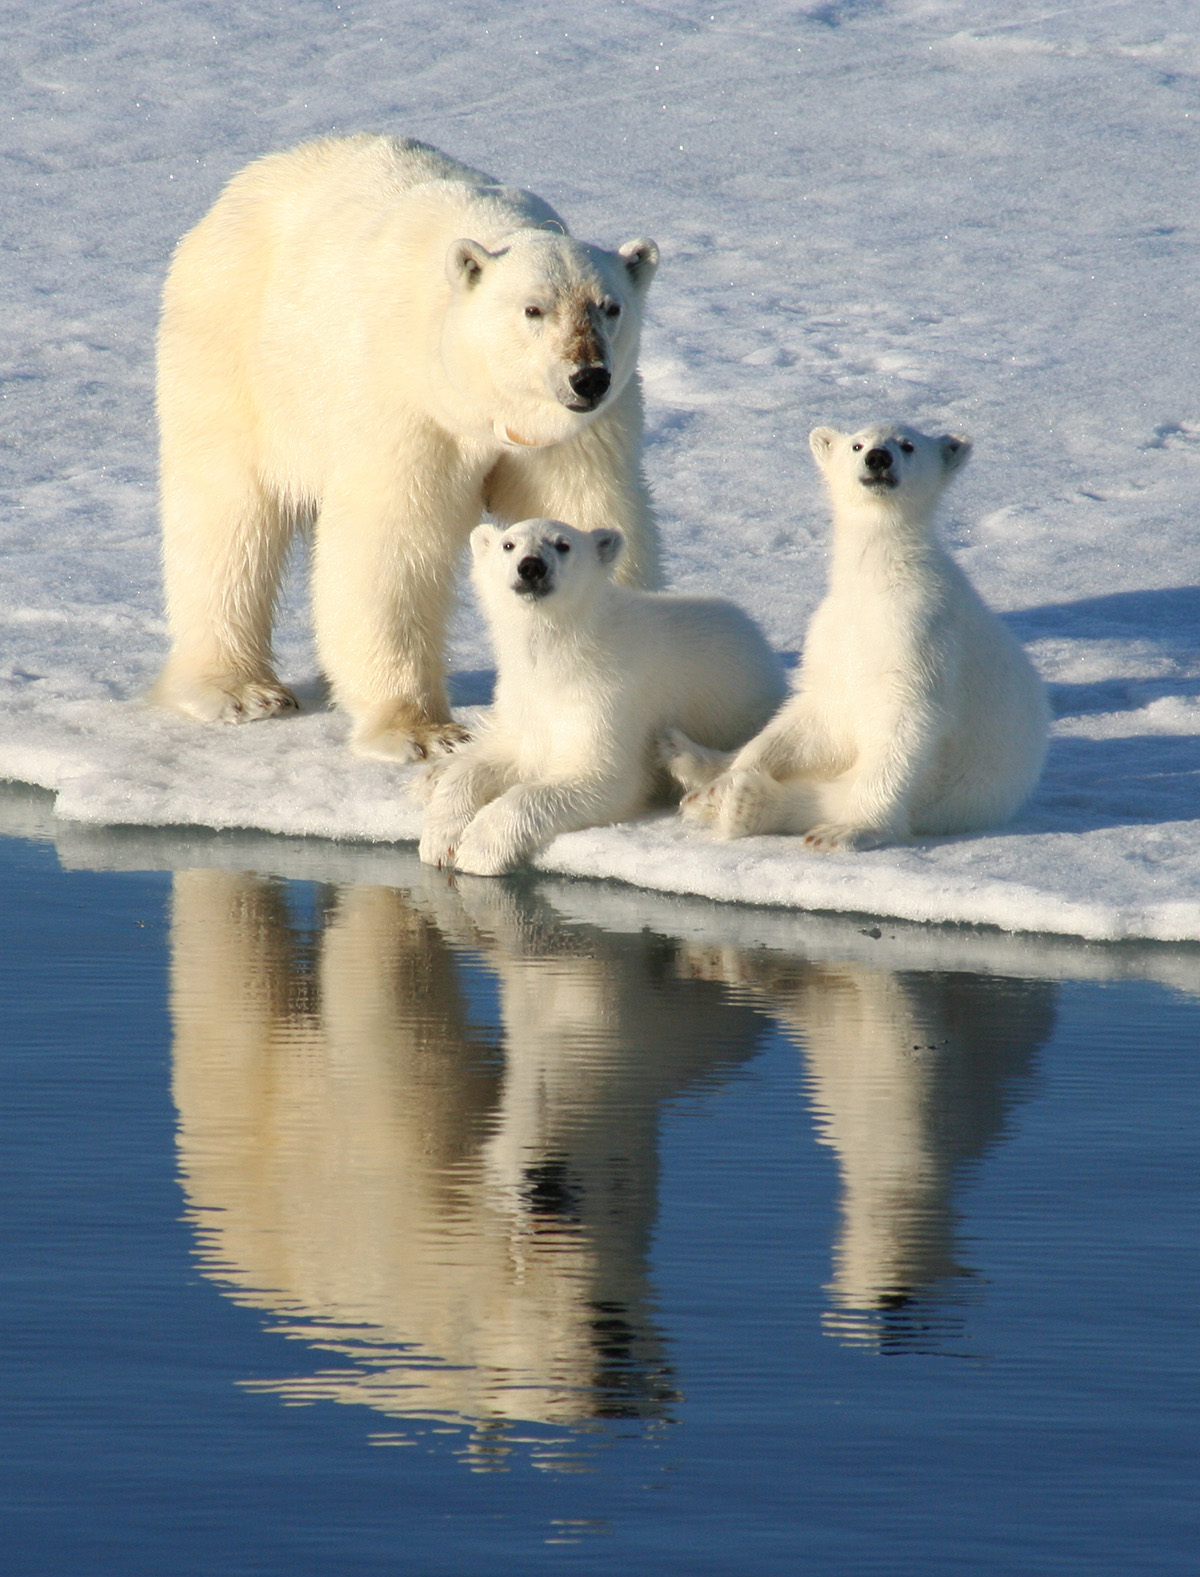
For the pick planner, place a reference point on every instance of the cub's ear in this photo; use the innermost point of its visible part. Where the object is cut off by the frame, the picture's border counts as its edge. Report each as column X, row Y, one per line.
column 465, row 262
column 821, row 441
column 481, row 540
column 641, row 259
column 610, row 544
column 956, row 448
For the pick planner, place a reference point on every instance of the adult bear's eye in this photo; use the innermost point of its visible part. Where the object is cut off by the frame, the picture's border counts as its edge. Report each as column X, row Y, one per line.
column 562, row 547
column 534, row 312
column 612, row 309
column 907, row 448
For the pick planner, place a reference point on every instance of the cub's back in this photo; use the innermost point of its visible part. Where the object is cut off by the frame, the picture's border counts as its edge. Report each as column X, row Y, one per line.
column 697, row 663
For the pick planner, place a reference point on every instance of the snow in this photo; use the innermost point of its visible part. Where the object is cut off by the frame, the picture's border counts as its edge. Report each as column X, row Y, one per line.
column 978, row 216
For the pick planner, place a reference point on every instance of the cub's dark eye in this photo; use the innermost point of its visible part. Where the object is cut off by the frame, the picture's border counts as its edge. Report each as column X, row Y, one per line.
column 612, row 309
column 907, row 448
column 856, row 447
column 509, row 546
column 562, row 547
column 534, row 312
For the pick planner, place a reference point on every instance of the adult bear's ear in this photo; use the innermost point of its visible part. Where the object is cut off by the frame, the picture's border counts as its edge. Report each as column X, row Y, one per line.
column 610, row 544
column 465, row 262
column 481, row 540
column 955, row 449
column 640, row 258
column 821, row 440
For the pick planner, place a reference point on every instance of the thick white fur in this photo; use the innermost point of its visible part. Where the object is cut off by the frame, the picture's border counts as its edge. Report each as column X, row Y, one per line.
column 915, row 710
column 588, row 675
column 364, row 332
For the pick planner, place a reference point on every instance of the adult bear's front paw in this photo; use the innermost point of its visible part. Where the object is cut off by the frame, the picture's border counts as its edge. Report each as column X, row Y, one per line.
column 406, row 736
column 224, row 699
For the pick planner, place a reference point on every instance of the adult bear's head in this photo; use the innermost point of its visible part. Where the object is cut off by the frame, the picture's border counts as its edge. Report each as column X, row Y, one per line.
column 542, row 332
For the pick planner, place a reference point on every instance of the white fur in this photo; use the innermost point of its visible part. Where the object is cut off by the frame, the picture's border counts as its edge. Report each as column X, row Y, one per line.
column 588, row 675
column 915, row 710
column 364, row 332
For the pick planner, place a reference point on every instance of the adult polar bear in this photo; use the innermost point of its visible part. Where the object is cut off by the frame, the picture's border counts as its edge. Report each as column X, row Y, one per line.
column 365, row 332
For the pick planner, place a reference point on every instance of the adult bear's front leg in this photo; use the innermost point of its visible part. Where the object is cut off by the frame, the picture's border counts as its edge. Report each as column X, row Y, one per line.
column 384, row 564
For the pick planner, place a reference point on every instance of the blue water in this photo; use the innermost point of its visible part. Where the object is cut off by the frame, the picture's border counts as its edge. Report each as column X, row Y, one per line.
column 358, row 1221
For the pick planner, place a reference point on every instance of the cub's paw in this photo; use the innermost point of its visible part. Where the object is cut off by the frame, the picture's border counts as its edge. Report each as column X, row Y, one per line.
column 489, row 846
column 703, row 805
column 423, row 784
column 691, row 765
column 438, row 845
column 479, row 856
column 830, row 836
column 749, row 805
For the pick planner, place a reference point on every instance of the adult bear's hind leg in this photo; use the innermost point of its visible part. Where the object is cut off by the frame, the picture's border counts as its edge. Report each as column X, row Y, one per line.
column 225, row 543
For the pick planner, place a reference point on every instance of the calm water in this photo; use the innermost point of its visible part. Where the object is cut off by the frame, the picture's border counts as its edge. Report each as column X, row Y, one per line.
column 357, row 1221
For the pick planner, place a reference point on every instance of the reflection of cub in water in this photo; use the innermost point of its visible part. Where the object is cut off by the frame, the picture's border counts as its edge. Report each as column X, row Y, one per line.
column 912, row 1075
column 463, row 1215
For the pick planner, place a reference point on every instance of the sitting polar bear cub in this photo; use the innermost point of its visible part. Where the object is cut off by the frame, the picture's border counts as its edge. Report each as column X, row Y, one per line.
column 915, row 710
column 589, row 674
column 366, row 336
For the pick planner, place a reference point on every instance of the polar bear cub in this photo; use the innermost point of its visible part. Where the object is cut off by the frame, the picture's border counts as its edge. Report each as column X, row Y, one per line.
column 589, row 674
column 915, row 710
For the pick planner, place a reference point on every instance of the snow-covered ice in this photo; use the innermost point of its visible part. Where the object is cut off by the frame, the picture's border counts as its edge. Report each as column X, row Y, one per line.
column 979, row 215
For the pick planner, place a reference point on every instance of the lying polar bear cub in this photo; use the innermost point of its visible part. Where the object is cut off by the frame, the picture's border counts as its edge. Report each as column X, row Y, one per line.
column 589, row 674
column 915, row 710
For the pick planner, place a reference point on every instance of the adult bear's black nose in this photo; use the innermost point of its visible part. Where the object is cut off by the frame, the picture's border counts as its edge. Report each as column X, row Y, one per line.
column 591, row 384
column 877, row 460
column 532, row 570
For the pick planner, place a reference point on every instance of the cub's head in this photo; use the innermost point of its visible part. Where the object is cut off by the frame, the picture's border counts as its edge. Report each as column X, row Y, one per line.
column 542, row 334
column 889, row 465
column 541, row 564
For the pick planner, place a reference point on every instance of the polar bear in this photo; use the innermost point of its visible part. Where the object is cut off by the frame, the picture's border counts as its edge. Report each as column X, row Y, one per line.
column 915, row 710
column 589, row 673
column 365, row 334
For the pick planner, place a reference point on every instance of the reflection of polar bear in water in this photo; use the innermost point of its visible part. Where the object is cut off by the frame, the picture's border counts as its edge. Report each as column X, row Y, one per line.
column 589, row 673
column 915, row 710
column 362, row 1157
column 912, row 1075
column 365, row 331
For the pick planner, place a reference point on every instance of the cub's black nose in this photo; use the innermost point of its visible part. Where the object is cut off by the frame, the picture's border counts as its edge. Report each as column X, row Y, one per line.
column 877, row 460
column 591, row 384
column 532, row 570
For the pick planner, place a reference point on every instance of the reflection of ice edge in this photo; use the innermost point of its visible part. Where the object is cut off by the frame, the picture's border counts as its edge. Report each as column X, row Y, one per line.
column 894, row 944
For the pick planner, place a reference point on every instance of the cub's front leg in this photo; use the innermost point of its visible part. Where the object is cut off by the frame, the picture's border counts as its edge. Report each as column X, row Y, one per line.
column 527, row 817
column 460, row 790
